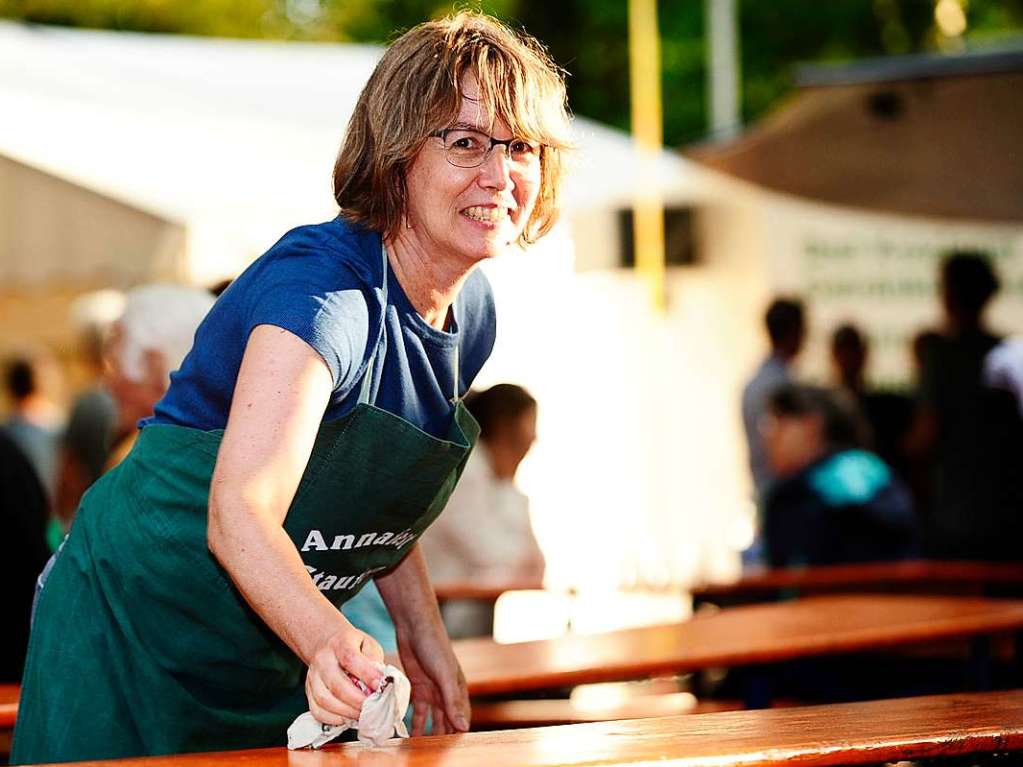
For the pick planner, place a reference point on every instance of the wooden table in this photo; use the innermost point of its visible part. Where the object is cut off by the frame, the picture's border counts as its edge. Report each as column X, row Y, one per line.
column 812, row 736
column 543, row 712
column 8, row 705
column 8, row 715
column 487, row 592
column 735, row 636
column 929, row 577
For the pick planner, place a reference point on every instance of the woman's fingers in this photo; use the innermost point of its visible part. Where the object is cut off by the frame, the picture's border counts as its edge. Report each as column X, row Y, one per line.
column 331, row 687
column 439, row 724
column 419, row 712
column 324, row 705
column 371, row 649
column 349, row 653
column 455, row 695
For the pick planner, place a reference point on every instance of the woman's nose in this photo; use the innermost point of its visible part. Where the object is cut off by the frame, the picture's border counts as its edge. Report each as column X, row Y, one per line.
column 495, row 172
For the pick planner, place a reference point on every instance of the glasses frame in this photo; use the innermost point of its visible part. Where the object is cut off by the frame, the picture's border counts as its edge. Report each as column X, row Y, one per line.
column 506, row 143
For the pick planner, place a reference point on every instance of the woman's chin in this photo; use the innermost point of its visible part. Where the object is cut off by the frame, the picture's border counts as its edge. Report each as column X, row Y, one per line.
column 495, row 243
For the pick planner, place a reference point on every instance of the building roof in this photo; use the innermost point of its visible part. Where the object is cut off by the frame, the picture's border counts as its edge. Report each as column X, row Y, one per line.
column 929, row 136
column 927, row 66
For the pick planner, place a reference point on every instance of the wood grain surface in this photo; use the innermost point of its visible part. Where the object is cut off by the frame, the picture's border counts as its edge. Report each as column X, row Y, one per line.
column 732, row 637
column 8, row 705
column 545, row 712
column 928, row 576
column 487, row 592
column 812, row 736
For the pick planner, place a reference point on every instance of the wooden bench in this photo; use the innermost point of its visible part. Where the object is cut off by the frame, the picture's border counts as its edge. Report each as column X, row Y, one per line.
column 486, row 592
column 812, row 736
column 922, row 577
column 8, row 705
column 544, row 712
column 754, row 634
column 733, row 637
column 8, row 714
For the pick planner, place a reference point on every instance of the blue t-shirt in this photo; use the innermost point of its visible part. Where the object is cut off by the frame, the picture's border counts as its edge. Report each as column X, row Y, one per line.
column 324, row 284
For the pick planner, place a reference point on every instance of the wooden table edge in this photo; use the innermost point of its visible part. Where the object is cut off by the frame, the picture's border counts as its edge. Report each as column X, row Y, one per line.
column 861, row 641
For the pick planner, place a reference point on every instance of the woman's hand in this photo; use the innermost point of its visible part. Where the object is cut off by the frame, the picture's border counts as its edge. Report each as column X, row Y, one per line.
column 333, row 696
column 438, row 684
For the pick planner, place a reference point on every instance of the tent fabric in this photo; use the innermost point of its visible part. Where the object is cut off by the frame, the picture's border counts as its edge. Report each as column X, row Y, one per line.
column 234, row 140
column 940, row 146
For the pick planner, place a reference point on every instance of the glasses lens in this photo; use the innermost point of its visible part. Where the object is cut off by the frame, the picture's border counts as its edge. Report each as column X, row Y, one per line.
column 524, row 152
column 466, row 148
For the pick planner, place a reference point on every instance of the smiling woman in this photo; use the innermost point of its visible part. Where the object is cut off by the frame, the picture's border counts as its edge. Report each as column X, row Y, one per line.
column 467, row 72
column 311, row 435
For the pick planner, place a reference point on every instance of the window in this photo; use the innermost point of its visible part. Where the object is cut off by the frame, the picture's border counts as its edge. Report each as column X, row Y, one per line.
column 679, row 237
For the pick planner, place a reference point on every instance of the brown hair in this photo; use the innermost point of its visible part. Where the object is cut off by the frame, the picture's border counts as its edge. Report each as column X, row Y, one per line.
column 416, row 90
column 493, row 408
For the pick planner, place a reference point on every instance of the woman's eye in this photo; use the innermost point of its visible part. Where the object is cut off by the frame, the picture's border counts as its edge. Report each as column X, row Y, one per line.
column 522, row 147
column 464, row 142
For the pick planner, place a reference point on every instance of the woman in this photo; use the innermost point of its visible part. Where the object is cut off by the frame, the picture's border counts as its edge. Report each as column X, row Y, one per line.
column 487, row 499
column 833, row 502
column 311, row 435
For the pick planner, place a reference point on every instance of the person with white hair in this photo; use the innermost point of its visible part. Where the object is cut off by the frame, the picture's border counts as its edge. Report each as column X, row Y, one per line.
column 140, row 337
column 1003, row 368
column 148, row 342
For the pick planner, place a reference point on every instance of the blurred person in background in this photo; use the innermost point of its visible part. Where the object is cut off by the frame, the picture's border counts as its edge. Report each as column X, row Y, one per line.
column 833, row 501
column 786, row 330
column 487, row 499
column 87, row 437
column 311, row 435
column 142, row 347
column 147, row 344
column 887, row 415
column 35, row 421
column 23, row 552
column 970, row 434
column 1003, row 368
column 914, row 452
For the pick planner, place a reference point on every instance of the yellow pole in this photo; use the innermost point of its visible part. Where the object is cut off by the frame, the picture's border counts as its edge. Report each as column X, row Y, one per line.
column 645, row 83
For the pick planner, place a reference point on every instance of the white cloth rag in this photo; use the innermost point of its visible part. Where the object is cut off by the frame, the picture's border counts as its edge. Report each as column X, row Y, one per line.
column 382, row 715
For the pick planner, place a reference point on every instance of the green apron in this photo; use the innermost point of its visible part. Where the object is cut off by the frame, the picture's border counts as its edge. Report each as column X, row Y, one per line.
column 141, row 643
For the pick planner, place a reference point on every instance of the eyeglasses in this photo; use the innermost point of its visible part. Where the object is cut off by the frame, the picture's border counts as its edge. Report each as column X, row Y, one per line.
column 466, row 148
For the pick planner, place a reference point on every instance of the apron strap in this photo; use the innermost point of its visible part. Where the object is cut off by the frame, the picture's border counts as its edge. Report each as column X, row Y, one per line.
column 367, row 378
column 455, row 398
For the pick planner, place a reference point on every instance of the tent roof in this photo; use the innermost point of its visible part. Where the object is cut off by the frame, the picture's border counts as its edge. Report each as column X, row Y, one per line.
column 235, row 139
column 916, row 67
column 916, row 135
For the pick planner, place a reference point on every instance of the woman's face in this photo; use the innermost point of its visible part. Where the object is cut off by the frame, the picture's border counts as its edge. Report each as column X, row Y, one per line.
column 469, row 214
column 792, row 442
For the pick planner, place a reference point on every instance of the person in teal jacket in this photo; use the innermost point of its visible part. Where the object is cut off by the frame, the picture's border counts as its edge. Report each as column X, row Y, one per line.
column 834, row 501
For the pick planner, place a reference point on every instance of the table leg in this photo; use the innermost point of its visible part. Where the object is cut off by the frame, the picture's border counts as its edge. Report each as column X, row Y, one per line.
column 980, row 672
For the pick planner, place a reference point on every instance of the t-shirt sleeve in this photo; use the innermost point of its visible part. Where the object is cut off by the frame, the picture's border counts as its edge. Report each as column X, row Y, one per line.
column 333, row 320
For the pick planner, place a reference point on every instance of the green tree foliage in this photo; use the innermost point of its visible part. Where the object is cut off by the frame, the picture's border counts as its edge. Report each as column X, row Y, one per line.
column 587, row 37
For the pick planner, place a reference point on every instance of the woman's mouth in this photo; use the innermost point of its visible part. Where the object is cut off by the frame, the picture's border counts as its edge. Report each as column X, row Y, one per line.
column 486, row 214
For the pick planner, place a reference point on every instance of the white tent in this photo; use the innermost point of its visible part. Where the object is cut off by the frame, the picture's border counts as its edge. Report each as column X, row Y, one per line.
column 233, row 139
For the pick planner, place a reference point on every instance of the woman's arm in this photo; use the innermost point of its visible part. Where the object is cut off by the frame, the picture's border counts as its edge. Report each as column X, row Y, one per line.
column 282, row 390
column 438, row 685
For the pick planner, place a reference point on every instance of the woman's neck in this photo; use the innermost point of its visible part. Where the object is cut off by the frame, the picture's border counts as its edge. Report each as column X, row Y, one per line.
column 502, row 464
column 431, row 283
